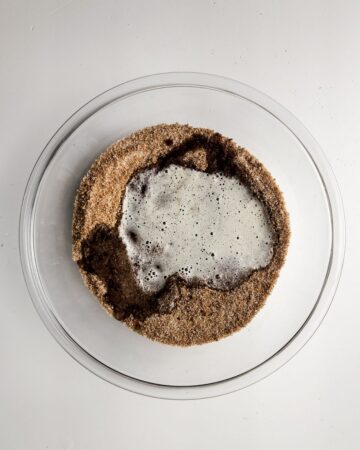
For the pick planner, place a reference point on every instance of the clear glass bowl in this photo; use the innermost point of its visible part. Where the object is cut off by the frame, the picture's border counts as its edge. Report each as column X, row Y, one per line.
column 304, row 290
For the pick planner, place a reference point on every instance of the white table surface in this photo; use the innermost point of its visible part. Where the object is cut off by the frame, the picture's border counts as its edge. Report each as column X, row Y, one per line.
column 54, row 56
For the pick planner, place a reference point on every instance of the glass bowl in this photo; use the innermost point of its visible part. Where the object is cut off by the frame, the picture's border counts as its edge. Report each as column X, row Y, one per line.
column 308, row 279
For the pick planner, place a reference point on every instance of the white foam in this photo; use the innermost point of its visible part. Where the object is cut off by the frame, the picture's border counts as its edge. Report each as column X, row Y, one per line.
column 201, row 226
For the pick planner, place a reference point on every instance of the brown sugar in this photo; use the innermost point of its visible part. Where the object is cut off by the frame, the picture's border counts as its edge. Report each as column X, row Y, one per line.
column 182, row 313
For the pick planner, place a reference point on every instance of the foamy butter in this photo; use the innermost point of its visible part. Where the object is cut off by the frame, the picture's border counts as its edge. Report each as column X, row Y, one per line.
column 201, row 226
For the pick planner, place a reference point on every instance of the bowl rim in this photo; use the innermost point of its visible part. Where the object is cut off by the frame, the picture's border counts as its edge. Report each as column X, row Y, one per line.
column 309, row 144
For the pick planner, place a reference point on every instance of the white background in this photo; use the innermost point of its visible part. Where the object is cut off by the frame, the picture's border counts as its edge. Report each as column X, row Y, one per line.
column 55, row 56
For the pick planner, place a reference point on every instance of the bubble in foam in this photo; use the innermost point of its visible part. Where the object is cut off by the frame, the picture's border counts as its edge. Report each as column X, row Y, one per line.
column 177, row 232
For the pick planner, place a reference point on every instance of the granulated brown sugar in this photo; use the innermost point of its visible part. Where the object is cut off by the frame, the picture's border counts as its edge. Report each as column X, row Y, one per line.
column 182, row 313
